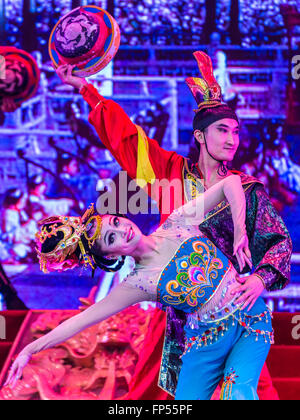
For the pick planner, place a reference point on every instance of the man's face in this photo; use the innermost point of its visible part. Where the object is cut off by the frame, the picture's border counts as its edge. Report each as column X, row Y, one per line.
column 222, row 139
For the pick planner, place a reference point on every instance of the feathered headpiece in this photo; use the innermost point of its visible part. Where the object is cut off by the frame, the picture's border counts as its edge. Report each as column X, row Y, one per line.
column 208, row 95
column 73, row 229
column 206, row 91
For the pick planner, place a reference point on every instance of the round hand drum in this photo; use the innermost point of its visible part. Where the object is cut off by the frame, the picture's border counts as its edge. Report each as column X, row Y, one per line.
column 22, row 75
column 87, row 37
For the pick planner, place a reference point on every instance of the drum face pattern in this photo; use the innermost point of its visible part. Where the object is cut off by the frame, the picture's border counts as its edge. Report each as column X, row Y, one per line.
column 22, row 75
column 76, row 35
column 87, row 37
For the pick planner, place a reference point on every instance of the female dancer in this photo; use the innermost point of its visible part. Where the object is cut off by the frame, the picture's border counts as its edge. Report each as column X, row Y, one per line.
column 180, row 268
column 142, row 158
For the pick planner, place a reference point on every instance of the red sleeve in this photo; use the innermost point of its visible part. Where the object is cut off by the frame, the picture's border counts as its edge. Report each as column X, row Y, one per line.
column 119, row 135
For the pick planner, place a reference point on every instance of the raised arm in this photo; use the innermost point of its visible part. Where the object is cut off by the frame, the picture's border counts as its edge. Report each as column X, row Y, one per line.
column 137, row 154
column 120, row 298
column 230, row 188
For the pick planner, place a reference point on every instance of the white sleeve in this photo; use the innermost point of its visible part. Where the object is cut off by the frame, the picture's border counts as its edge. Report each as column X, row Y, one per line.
column 118, row 299
column 230, row 188
column 235, row 195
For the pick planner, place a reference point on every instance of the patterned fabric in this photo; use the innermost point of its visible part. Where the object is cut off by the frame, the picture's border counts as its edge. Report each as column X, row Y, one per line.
column 229, row 380
column 192, row 276
column 269, row 240
column 144, row 171
column 239, row 344
column 205, row 90
column 76, row 34
column 246, row 321
column 270, row 245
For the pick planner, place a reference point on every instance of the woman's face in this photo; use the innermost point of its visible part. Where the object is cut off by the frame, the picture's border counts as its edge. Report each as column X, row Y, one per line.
column 119, row 236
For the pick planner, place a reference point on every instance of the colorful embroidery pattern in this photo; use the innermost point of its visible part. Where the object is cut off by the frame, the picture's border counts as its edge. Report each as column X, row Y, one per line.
column 243, row 319
column 229, row 380
column 189, row 280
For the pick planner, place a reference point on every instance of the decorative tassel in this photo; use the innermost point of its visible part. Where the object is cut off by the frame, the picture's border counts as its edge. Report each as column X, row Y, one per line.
column 144, row 172
column 226, row 390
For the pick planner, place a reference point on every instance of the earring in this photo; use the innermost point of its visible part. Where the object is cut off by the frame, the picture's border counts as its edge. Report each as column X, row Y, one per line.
column 118, row 259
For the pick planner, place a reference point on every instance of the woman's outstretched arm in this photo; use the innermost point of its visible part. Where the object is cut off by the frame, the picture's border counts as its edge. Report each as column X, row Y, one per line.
column 120, row 298
column 231, row 189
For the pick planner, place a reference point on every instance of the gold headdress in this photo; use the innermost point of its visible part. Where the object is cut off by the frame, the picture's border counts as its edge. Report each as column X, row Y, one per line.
column 73, row 229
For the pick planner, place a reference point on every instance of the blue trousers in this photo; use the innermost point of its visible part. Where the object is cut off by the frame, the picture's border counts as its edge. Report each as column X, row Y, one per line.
column 236, row 356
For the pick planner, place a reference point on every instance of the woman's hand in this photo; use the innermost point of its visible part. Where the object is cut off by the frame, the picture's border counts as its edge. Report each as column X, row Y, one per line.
column 251, row 288
column 241, row 251
column 17, row 367
column 65, row 73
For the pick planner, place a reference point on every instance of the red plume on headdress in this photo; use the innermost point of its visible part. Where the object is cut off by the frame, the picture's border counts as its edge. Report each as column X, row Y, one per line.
column 206, row 91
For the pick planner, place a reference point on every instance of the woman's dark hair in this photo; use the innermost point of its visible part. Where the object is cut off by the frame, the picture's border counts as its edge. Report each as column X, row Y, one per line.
column 50, row 243
column 108, row 265
column 103, row 263
column 111, row 266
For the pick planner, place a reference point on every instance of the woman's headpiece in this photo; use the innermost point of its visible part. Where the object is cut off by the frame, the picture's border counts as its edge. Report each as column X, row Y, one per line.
column 72, row 231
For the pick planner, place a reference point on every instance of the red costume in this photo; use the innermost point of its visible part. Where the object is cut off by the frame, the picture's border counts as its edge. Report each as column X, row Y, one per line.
column 122, row 138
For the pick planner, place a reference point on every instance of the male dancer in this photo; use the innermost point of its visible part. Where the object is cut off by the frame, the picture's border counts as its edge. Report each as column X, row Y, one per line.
column 216, row 134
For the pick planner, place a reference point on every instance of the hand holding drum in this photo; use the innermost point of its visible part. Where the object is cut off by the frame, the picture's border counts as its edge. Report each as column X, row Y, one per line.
column 87, row 38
